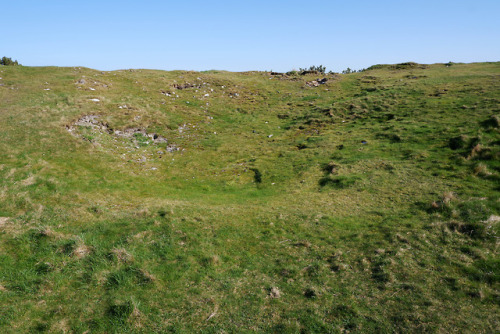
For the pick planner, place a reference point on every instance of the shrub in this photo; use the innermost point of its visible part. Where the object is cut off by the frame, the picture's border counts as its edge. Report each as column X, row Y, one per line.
column 313, row 70
column 8, row 62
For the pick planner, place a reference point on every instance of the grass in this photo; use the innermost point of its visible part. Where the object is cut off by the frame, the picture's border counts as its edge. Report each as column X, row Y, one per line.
column 367, row 204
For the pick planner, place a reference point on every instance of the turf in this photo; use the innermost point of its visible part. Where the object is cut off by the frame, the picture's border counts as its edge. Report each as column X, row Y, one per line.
column 369, row 203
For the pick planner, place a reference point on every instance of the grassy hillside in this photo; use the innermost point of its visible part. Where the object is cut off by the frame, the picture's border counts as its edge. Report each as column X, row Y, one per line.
column 149, row 201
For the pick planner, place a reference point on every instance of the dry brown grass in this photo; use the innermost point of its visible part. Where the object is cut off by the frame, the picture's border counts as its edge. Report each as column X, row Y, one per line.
column 481, row 170
column 122, row 255
column 82, row 251
column 3, row 221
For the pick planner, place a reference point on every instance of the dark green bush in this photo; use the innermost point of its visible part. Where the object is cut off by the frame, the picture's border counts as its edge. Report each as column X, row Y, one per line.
column 8, row 62
column 313, row 70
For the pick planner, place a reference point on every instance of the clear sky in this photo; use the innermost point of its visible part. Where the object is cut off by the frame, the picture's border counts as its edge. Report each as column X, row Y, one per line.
column 248, row 35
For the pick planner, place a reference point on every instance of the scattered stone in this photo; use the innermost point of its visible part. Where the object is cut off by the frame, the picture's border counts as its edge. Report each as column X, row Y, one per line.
column 186, row 85
column 86, row 121
column 275, row 292
column 172, row 148
column 93, row 121
column 317, row 82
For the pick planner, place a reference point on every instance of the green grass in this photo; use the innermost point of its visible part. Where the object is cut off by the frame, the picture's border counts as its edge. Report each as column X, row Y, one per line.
column 369, row 203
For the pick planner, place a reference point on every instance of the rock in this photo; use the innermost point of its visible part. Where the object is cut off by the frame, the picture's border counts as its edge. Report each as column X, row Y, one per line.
column 317, row 82
column 172, row 148
column 88, row 121
column 313, row 83
column 275, row 292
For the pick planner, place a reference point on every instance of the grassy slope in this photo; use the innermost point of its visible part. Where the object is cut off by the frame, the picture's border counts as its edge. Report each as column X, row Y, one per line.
column 106, row 234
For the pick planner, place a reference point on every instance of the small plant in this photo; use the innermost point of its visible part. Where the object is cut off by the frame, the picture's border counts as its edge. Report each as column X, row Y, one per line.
column 257, row 175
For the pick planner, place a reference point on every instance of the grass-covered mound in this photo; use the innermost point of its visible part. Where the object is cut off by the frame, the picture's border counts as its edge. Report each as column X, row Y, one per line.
column 143, row 201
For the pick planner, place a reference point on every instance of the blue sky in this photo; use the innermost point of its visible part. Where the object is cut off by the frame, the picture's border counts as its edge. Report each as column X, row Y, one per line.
column 248, row 35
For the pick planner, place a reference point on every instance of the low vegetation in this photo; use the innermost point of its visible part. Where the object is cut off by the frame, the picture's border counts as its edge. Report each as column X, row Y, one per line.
column 149, row 201
column 8, row 61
